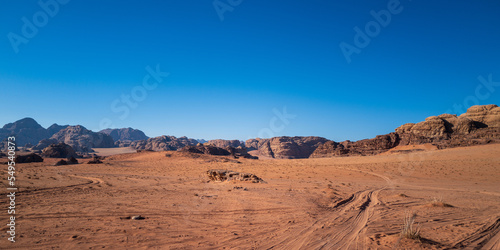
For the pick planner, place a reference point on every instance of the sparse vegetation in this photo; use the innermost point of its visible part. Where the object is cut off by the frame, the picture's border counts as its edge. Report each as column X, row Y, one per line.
column 409, row 230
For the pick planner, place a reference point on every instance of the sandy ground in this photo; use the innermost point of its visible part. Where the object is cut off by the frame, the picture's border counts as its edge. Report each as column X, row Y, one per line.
column 334, row 203
column 113, row 151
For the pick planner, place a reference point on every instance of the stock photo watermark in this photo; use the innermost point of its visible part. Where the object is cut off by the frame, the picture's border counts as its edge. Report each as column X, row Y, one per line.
column 11, row 188
column 31, row 26
column 483, row 91
column 222, row 7
column 277, row 123
column 363, row 37
column 122, row 106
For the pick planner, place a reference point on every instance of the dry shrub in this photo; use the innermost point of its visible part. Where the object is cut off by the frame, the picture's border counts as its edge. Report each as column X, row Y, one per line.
column 409, row 230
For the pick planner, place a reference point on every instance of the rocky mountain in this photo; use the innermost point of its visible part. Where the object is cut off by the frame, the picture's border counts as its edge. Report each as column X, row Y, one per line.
column 286, row 147
column 82, row 139
column 479, row 125
column 225, row 143
column 163, row 143
column 27, row 131
column 54, row 128
column 125, row 134
column 379, row 144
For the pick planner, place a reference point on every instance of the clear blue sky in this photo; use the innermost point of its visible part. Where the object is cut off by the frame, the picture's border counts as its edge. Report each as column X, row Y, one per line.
column 226, row 76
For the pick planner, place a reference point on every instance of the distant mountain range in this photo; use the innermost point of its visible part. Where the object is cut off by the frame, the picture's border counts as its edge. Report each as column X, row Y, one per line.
column 479, row 125
column 28, row 131
column 30, row 134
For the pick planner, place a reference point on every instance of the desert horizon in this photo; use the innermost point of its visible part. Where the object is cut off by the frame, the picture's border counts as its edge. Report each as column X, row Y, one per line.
column 233, row 124
column 430, row 185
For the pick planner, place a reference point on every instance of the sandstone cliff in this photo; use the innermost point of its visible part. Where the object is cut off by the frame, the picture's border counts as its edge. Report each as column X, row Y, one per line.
column 479, row 125
column 286, row 147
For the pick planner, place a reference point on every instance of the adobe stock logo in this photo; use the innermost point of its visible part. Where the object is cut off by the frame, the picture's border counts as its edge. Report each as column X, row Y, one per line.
column 372, row 29
column 122, row 106
column 483, row 91
column 40, row 19
column 221, row 7
column 276, row 124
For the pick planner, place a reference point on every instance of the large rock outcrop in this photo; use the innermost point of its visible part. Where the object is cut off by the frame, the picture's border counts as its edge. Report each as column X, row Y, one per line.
column 213, row 150
column 82, row 139
column 60, row 150
column 446, row 130
column 28, row 158
column 484, row 115
column 286, row 147
column 479, row 125
column 225, row 143
column 379, row 144
column 124, row 137
column 163, row 143
column 205, row 149
column 125, row 134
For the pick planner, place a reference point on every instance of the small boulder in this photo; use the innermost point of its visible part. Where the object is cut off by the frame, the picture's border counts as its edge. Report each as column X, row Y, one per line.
column 95, row 160
column 72, row 160
column 61, row 162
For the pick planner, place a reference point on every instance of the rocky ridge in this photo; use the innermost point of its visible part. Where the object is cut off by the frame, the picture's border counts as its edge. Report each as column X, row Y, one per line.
column 82, row 139
column 479, row 125
column 225, row 143
column 163, row 143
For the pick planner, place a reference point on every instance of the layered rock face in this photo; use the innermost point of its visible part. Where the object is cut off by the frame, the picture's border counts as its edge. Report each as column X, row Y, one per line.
column 479, row 125
column 485, row 115
column 82, row 139
column 377, row 145
column 225, row 143
column 163, row 143
column 286, row 147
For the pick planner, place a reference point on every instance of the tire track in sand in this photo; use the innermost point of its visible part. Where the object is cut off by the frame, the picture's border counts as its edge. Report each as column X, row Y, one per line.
column 92, row 181
column 341, row 227
column 487, row 237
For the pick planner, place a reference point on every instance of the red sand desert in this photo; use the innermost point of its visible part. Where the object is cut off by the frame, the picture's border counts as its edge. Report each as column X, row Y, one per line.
column 326, row 203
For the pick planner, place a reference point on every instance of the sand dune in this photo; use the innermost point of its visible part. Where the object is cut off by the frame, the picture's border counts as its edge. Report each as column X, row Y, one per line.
column 326, row 203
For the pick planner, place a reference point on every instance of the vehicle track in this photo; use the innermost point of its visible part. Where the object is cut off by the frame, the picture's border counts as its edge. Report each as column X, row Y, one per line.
column 487, row 237
column 92, row 181
column 338, row 227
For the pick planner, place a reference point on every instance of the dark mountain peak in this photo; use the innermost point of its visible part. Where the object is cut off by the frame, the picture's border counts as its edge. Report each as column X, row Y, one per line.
column 27, row 122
